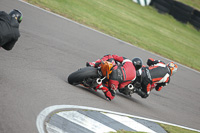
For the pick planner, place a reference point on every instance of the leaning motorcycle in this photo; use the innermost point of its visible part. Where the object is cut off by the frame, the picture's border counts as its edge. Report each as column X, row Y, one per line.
column 91, row 77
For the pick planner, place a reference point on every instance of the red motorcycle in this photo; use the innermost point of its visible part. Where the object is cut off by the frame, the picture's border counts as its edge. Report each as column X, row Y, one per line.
column 91, row 77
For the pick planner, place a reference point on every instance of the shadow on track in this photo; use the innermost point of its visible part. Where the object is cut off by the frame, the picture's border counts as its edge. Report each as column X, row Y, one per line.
column 129, row 98
column 97, row 93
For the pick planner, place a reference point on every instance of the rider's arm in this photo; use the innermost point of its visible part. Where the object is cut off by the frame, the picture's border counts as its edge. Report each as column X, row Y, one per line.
column 151, row 61
column 137, row 82
column 118, row 58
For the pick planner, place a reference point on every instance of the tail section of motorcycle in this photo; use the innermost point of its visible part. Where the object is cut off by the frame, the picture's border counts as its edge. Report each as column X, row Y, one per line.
column 128, row 90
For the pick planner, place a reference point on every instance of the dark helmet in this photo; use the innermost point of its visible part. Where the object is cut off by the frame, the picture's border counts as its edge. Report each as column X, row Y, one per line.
column 17, row 15
column 137, row 62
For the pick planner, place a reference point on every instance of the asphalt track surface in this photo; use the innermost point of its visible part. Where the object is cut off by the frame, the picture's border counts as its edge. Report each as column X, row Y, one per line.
column 33, row 75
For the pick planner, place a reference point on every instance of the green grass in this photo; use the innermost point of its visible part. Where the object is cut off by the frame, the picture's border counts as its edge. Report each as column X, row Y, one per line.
column 173, row 129
column 140, row 26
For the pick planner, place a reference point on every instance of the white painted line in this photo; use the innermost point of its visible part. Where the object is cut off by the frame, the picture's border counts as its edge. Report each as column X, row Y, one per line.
column 47, row 111
column 105, row 34
column 130, row 123
column 85, row 122
column 53, row 129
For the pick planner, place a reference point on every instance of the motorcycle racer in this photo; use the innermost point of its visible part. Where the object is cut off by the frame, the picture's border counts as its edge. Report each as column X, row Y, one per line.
column 122, row 73
column 156, row 75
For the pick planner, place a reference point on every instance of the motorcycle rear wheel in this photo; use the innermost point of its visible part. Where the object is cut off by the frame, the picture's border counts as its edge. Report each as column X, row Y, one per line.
column 80, row 75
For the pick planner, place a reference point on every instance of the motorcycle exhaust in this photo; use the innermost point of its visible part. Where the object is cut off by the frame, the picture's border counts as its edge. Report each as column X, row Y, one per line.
column 130, row 86
column 99, row 81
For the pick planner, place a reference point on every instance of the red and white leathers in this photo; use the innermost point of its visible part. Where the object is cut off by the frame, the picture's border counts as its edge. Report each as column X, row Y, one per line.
column 121, row 75
column 110, row 58
column 155, row 76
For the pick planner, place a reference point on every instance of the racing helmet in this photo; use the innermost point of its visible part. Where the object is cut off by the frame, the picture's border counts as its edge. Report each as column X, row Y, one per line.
column 17, row 15
column 173, row 67
column 137, row 62
column 106, row 68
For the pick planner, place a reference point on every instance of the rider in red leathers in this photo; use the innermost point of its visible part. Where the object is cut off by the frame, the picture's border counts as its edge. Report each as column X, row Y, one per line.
column 122, row 74
column 156, row 75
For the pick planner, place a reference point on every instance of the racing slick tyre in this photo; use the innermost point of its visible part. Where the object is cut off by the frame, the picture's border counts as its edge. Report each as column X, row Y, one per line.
column 78, row 76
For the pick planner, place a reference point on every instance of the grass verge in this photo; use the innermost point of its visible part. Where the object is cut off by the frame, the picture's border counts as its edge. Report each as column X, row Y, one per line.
column 174, row 129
